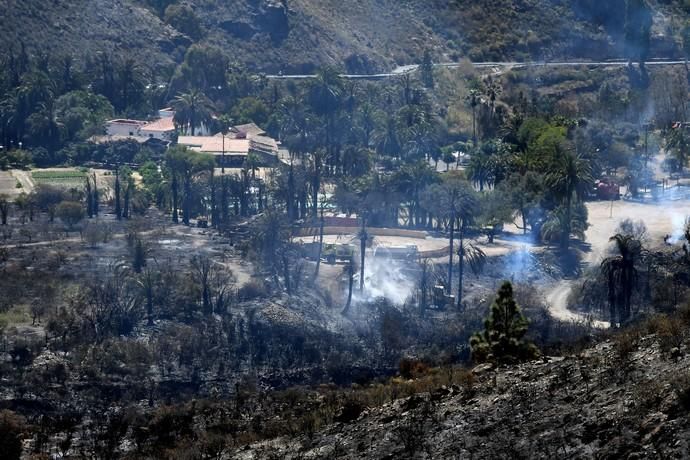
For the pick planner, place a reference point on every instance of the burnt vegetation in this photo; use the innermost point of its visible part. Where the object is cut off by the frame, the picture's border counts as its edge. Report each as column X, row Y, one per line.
column 158, row 303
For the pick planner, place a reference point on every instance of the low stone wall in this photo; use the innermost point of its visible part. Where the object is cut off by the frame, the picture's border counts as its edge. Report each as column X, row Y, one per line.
column 314, row 231
column 434, row 254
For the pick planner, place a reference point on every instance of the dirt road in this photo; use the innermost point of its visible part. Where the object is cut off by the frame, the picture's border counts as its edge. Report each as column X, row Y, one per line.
column 661, row 219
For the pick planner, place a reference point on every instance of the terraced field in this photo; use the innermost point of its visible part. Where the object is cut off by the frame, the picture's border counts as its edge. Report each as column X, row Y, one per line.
column 64, row 178
column 8, row 184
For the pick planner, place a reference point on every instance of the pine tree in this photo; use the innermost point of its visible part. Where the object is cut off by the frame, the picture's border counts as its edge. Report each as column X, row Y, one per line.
column 503, row 337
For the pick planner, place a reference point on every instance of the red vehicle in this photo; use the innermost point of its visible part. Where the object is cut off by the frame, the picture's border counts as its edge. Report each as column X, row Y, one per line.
column 607, row 189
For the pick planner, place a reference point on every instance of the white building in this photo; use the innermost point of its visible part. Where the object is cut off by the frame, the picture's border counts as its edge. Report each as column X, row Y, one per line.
column 123, row 127
column 162, row 129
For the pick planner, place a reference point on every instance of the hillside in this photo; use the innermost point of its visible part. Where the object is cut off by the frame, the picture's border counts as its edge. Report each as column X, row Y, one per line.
column 362, row 35
column 623, row 398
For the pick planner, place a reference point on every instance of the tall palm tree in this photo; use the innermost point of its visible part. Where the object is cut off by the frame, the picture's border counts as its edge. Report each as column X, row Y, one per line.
column 479, row 168
column 325, row 95
column 570, row 178
column 192, row 109
column 621, row 273
column 471, row 254
column 387, row 139
column 679, row 144
column 410, row 180
column 493, row 90
column 473, row 99
column 368, row 121
column 363, row 236
column 455, row 200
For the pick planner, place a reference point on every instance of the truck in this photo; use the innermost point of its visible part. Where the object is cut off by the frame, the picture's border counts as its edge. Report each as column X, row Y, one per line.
column 442, row 300
column 334, row 252
column 607, row 189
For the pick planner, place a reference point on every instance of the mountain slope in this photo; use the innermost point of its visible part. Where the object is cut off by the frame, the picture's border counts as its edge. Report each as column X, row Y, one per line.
column 362, row 35
column 620, row 399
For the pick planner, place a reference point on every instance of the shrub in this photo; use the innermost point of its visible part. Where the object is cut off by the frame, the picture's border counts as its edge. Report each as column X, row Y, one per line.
column 681, row 386
column 411, row 368
column 252, row 290
column 12, row 429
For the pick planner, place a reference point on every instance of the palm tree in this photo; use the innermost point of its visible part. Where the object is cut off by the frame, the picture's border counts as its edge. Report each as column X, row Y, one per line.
column 473, row 100
column 455, row 200
column 621, row 273
column 479, row 169
column 571, row 177
column 363, row 236
column 184, row 164
column 679, row 144
column 410, row 180
column 325, row 96
column 369, row 121
column 493, row 90
column 471, row 254
column 192, row 109
column 558, row 224
column 387, row 140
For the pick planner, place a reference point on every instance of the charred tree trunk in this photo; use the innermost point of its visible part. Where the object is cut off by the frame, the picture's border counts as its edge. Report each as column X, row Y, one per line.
column 450, row 253
column 175, row 198
column 118, row 210
column 318, row 257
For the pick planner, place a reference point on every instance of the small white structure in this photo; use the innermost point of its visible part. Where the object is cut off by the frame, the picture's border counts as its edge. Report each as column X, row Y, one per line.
column 162, row 129
column 124, row 127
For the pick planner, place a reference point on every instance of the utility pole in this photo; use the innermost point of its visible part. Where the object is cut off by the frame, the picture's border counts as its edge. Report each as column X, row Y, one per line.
column 223, row 133
column 362, row 248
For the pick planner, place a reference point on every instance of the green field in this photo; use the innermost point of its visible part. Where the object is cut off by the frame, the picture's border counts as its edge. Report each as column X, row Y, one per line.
column 67, row 178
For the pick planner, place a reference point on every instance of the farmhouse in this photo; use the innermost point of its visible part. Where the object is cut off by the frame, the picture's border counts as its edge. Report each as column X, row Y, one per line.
column 161, row 129
column 231, row 150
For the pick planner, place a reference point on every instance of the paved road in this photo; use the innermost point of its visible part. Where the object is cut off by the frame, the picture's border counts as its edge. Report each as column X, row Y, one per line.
column 402, row 70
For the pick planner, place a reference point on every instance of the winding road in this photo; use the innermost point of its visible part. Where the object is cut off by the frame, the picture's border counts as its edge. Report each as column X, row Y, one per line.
column 497, row 66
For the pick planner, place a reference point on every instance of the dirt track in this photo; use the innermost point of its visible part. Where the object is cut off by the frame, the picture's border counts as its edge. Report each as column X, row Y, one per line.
column 661, row 219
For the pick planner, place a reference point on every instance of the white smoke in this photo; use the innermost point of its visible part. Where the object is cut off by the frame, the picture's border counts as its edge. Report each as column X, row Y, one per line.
column 678, row 222
column 385, row 277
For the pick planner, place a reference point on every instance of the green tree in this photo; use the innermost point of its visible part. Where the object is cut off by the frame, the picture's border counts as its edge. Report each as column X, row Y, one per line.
column 47, row 198
column 82, row 113
column 192, row 110
column 182, row 18
column 524, row 193
column 204, row 68
column 455, row 201
column 70, row 212
column 570, row 179
column 679, row 144
column 325, row 96
column 426, row 70
column 184, row 165
column 502, row 340
column 495, row 212
column 250, row 110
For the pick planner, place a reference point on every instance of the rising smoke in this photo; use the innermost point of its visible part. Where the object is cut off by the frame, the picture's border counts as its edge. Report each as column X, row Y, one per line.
column 386, row 277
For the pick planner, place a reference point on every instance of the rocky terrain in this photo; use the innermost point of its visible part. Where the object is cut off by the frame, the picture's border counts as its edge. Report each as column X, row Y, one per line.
column 626, row 397
column 362, row 36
